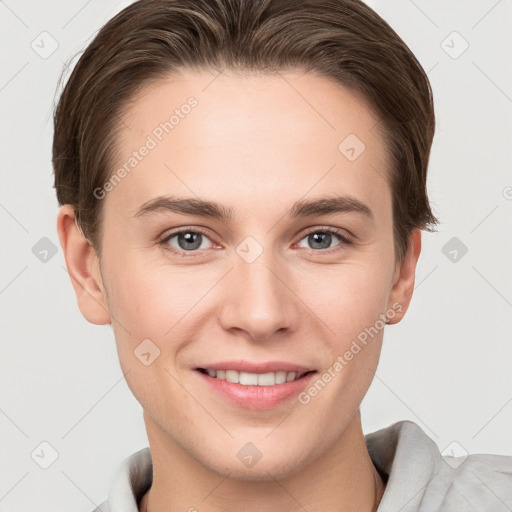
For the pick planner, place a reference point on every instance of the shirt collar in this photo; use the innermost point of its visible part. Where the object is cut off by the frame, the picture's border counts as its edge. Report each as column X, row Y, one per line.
column 390, row 450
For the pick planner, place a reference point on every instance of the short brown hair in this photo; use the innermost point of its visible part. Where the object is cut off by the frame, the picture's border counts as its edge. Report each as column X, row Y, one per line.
column 344, row 40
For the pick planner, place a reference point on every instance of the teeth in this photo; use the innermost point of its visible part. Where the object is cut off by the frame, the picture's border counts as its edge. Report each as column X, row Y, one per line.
column 254, row 379
column 265, row 379
column 248, row 379
column 280, row 377
column 232, row 376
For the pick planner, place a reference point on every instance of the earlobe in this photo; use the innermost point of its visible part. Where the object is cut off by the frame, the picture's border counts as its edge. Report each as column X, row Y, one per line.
column 403, row 287
column 83, row 268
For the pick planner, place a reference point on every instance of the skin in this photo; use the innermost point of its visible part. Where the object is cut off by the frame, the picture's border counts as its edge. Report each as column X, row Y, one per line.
column 254, row 143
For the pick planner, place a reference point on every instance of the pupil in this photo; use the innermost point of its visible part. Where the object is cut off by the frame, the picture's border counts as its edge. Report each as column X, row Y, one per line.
column 322, row 240
column 189, row 241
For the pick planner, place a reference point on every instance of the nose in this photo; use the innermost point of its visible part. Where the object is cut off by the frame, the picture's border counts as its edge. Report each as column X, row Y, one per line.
column 259, row 300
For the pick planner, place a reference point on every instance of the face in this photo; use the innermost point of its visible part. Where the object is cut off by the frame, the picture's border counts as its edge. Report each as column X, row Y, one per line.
column 252, row 238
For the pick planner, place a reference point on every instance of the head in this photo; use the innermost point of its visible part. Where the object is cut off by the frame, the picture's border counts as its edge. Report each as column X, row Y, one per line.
column 245, row 181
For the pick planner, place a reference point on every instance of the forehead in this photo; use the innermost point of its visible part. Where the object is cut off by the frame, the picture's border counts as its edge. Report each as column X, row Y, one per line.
column 257, row 137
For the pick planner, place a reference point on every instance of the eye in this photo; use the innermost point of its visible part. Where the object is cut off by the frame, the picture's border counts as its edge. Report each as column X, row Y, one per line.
column 323, row 239
column 186, row 240
column 192, row 241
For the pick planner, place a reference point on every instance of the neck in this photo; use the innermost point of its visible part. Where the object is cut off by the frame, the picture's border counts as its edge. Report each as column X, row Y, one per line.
column 342, row 479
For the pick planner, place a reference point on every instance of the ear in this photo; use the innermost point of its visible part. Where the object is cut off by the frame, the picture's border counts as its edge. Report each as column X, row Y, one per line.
column 83, row 268
column 403, row 279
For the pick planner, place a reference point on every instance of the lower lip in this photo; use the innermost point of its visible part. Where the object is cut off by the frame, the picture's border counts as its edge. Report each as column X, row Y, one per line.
column 257, row 397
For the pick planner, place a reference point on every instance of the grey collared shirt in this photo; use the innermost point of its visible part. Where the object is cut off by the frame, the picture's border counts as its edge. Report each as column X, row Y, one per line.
column 419, row 478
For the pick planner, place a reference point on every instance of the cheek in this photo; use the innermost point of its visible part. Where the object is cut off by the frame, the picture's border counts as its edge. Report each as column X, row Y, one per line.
column 150, row 308
column 347, row 299
column 152, row 298
column 350, row 306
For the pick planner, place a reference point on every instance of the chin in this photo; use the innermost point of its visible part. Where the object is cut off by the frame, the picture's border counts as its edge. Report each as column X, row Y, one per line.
column 264, row 470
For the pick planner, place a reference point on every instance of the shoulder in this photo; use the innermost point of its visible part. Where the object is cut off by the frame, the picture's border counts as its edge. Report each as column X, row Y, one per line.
column 132, row 479
column 421, row 479
column 480, row 482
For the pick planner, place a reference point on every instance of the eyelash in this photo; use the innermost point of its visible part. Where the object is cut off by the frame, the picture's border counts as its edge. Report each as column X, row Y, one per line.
column 344, row 240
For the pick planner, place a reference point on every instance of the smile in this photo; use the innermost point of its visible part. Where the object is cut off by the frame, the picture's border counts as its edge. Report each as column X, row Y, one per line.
column 253, row 379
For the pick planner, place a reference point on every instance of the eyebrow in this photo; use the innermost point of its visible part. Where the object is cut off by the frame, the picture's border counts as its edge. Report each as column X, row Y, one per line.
column 302, row 208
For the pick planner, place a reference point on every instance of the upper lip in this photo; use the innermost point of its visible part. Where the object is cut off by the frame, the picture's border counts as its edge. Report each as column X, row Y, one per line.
column 253, row 367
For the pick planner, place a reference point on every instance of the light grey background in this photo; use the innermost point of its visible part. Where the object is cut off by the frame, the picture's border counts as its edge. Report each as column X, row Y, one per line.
column 447, row 366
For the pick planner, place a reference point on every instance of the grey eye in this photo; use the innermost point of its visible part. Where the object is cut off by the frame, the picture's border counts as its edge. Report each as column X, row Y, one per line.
column 188, row 240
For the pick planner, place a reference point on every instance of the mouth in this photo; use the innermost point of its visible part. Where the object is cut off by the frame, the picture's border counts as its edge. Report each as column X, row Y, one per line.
column 259, row 389
column 255, row 379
